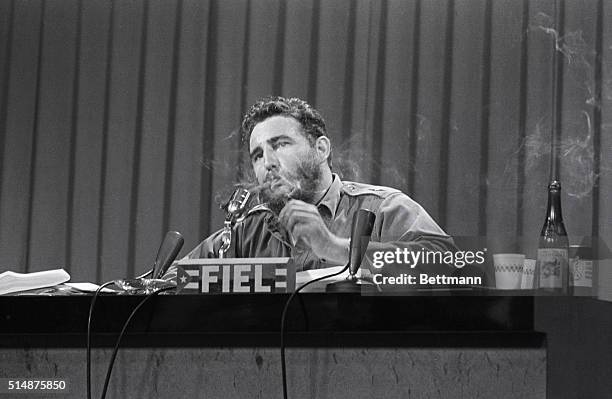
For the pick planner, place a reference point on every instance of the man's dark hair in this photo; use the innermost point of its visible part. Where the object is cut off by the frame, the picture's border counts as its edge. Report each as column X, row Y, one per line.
column 311, row 120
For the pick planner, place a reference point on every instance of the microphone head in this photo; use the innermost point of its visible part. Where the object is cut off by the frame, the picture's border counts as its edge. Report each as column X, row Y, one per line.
column 168, row 250
column 361, row 230
column 236, row 207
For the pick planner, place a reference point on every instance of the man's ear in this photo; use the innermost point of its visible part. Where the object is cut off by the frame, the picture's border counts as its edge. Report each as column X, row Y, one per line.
column 323, row 148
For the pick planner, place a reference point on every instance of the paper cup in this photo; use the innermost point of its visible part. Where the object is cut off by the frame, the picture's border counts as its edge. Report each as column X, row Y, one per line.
column 508, row 271
column 528, row 274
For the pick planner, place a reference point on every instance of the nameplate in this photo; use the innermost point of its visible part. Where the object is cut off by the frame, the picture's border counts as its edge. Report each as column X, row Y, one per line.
column 235, row 276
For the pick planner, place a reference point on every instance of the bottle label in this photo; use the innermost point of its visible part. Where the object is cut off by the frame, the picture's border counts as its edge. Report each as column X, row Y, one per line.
column 581, row 271
column 553, row 263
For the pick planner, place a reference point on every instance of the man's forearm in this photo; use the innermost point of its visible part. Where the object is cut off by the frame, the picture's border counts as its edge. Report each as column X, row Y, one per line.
column 336, row 252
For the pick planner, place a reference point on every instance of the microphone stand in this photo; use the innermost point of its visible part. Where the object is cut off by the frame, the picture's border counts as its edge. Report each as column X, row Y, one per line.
column 168, row 250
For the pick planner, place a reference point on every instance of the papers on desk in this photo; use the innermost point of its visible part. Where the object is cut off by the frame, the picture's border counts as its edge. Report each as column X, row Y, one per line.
column 302, row 278
column 14, row 282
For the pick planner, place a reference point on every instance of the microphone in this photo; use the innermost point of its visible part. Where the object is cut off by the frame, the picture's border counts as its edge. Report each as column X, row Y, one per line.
column 361, row 230
column 235, row 211
column 363, row 224
column 167, row 252
column 237, row 205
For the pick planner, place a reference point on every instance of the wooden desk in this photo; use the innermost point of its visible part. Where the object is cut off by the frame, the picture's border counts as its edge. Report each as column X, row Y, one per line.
column 340, row 346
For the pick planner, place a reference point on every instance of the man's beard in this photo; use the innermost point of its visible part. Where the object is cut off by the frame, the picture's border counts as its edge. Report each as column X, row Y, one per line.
column 303, row 184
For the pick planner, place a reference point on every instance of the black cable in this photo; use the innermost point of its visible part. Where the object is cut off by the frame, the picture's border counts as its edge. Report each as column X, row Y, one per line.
column 125, row 325
column 145, row 274
column 91, row 308
column 282, row 337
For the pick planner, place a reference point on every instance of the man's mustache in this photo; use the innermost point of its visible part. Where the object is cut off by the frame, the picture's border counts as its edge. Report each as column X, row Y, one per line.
column 255, row 188
column 272, row 177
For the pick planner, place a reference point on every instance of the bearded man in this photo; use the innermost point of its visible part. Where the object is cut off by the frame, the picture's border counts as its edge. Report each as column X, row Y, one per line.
column 305, row 211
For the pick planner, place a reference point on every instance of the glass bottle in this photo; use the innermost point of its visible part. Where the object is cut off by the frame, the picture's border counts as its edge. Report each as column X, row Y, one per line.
column 552, row 259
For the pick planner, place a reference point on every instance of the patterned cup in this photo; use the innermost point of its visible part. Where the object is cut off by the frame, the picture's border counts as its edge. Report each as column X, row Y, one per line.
column 508, row 271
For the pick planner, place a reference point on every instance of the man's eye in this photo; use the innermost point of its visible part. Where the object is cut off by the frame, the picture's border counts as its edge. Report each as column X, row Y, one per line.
column 255, row 157
column 281, row 144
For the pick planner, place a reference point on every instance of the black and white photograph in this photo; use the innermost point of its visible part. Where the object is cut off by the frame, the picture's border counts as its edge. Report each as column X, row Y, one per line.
column 306, row 199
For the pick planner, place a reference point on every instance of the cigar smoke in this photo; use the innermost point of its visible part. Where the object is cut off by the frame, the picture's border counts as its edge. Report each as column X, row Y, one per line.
column 579, row 56
column 576, row 146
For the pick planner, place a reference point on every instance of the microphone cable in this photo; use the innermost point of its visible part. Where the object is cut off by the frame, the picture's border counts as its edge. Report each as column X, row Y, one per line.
column 91, row 308
column 362, row 226
column 284, row 316
column 125, row 325
column 116, row 348
column 167, row 252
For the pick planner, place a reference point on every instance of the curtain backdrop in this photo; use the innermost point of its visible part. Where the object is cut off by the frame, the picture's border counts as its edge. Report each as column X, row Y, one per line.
column 118, row 119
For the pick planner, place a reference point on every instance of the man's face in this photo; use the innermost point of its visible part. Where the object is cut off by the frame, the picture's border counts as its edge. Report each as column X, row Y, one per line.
column 284, row 161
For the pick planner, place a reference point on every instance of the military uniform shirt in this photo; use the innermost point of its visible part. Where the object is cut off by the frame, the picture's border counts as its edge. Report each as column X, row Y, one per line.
column 400, row 222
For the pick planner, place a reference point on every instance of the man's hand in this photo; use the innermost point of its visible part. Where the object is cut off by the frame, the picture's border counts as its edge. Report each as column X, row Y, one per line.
column 303, row 221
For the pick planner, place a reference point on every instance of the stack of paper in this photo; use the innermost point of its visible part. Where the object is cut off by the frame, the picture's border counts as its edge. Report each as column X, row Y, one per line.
column 13, row 282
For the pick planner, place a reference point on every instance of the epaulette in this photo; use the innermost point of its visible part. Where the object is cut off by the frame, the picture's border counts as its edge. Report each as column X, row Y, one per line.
column 259, row 208
column 355, row 189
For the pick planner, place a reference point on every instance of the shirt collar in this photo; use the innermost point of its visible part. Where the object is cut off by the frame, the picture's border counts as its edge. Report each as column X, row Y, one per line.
column 332, row 197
